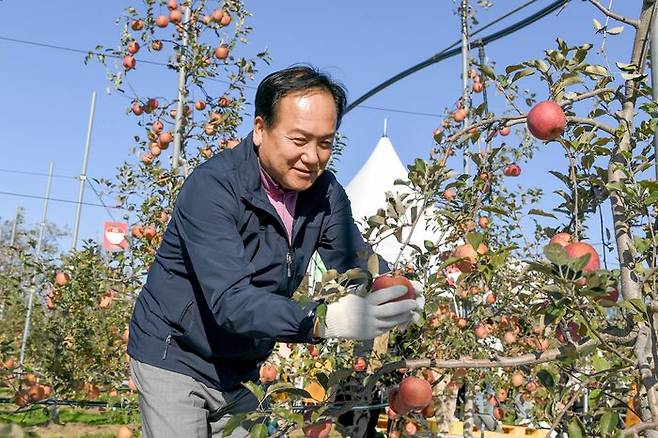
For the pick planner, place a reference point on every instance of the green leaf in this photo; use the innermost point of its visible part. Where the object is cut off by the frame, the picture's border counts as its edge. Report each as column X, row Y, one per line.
column 538, row 212
column 258, row 431
column 631, row 76
column 597, row 25
column 497, row 210
column 297, row 392
column 474, row 239
column 556, row 254
column 553, row 314
column 323, row 380
column 600, row 363
column 596, row 70
column 255, row 389
column 523, row 73
column 541, row 66
column 356, row 274
column 376, row 220
column 579, row 264
column 331, row 274
column 338, row 376
column 575, row 429
column 609, row 422
column 546, row 379
column 488, row 72
column 233, row 423
column 512, row 68
column 373, row 265
column 540, row 267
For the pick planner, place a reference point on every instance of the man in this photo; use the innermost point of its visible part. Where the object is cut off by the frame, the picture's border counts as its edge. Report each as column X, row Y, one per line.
column 244, row 227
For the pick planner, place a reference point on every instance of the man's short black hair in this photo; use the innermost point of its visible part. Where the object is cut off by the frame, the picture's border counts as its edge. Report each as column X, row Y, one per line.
column 279, row 84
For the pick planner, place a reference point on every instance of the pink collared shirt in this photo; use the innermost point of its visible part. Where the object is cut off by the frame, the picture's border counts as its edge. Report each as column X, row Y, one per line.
column 283, row 201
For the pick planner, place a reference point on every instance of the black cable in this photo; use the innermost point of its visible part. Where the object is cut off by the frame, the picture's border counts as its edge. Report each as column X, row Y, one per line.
column 68, row 201
column 415, row 113
column 450, row 51
column 107, row 55
column 107, row 209
column 69, row 49
column 26, row 172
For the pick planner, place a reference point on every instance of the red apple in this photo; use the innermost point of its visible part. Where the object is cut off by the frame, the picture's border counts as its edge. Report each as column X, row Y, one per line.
column 579, row 249
column 562, row 239
column 267, row 373
column 162, row 21
column 470, row 256
column 385, row 281
column 460, row 115
column 318, row 430
column 360, row 364
column 415, row 393
column 512, row 170
column 546, row 120
column 572, row 328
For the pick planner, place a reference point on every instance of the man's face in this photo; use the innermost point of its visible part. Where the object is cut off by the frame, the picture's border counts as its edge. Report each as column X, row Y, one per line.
column 296, row 148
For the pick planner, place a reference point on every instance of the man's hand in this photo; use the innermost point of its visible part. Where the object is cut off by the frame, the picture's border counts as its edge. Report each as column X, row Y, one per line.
column 363, row 318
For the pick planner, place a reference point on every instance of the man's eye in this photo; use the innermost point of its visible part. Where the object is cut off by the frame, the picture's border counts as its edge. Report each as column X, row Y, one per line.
column 327, row 144
column 299, row 141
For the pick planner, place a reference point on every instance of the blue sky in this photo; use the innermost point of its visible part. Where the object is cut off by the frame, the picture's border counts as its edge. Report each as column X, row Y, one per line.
column 46, row 93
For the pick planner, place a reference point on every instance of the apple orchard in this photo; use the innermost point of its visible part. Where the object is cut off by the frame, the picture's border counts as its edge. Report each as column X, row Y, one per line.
column 511, row 317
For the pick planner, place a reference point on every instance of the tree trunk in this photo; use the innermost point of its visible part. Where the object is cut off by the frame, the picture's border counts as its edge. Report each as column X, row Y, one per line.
column 630, row 280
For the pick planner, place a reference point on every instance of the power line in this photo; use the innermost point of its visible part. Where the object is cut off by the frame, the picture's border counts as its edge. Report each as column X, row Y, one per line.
column 416, row 113
column 85, row 52
column 68, row 201
column 101, row 200
column 26, row 172
column 107, row 55
column 451, row 51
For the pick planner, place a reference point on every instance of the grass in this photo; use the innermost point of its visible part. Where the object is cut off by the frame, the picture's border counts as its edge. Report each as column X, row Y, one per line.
column 41, row 415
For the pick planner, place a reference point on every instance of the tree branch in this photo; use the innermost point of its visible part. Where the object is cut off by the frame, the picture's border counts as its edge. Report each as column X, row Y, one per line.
column 505, row 120
column 640, row 427
column 591, row 122
column 614, row 15
column 502, row 362
column 587, row 95
column 564, row 410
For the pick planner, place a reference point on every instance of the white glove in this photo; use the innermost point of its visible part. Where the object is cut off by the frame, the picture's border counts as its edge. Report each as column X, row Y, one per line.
column 363, row 318
column 420, row 302
column 417, row 314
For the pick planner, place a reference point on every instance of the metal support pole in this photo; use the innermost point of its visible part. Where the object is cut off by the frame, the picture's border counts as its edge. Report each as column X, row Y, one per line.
column 37, row 254
column 14, row 226
column 83, row 173
column 178, row 126
column 465, row 76
column 654, row 80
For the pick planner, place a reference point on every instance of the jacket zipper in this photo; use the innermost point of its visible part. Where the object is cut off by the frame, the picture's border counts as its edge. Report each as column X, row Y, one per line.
column 167, row 342
column 289, row 263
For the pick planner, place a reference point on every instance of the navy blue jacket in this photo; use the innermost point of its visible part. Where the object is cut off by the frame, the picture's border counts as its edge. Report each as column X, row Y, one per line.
column 218, row 295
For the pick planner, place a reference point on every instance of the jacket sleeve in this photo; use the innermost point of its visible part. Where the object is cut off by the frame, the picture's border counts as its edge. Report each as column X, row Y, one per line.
column 342, row 246
column 206, row 217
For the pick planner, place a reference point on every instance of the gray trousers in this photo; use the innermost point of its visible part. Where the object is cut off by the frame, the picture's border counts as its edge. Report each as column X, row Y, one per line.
column 174, row 405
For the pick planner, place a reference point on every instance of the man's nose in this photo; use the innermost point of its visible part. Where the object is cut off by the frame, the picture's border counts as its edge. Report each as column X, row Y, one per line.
column 310, row 156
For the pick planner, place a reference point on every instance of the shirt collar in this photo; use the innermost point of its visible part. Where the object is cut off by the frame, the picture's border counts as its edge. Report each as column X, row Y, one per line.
column 270, row 185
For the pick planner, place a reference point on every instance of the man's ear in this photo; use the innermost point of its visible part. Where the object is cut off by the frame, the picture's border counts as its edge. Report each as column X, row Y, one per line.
column 259, row 127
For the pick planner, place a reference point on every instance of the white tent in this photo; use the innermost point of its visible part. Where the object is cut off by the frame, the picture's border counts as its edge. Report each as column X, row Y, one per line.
column 367, row 193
